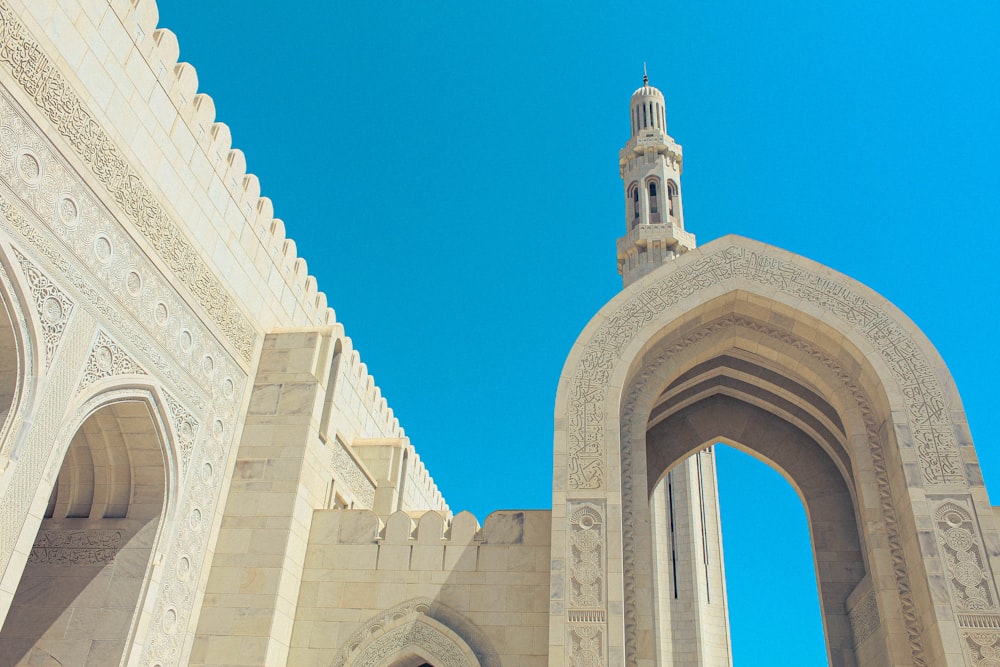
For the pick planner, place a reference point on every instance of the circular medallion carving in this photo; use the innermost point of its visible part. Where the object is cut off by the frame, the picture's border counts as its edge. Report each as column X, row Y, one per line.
column 185, row 340
column 218, row 429
column 227, row 388
column 103, row 357
column 968, row 573
column 958, row 539
column 133, row 283
column 103, row 248
column 170, row 621
column 160, row 313
column 207, row 472
column 953, row 518
column 29, row 168
column 208, row 365
column 183, row 568
column 69, row 212
column 52, row 310
column 187, row 432
column 194, row 520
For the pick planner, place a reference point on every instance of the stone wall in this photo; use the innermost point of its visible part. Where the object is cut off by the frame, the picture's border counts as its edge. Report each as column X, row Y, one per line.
column 487, row 585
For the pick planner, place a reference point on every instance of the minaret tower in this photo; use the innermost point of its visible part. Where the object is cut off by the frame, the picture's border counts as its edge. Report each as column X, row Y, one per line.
column 650, row 166
column 692, row 620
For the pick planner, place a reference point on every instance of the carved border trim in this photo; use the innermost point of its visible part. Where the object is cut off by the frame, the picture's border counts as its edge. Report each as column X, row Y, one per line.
column 911, row 619
column 54, row 96
column 930, row 424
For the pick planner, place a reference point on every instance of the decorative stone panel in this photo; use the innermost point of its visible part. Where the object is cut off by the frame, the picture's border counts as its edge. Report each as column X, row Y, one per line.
column 53, row 306
column 961, row 545
column 76, row 547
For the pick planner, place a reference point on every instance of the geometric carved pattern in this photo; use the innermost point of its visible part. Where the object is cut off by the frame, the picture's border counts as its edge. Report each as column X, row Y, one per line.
column 967, row 570
column 911, row 620
column 587, row 607
column 185, row 427
column 378, row 623
column 864, row 618
column 53, row 306
column 50, row 91
column 106, row 359
column 929, row 421
column 76, row 547
column 586, row 547
column 348, row 471
column 983, row 648
column 586, row 645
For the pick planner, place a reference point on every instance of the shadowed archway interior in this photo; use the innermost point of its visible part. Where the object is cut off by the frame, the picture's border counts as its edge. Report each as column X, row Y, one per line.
column 745, row 402
column 77, row 601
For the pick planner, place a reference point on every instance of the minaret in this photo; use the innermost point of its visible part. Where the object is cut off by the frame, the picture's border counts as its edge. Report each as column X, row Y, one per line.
column 692, row 620
column 650, row 166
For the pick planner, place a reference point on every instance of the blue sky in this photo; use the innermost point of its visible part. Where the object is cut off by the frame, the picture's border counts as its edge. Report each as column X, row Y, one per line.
column 449, row 172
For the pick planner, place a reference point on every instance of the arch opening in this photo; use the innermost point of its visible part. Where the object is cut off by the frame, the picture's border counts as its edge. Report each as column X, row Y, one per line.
column 79, row 597
column 741, row 401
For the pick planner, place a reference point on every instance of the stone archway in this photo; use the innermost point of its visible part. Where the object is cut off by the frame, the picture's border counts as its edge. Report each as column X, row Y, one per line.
column 81, row 595
column 813, row 373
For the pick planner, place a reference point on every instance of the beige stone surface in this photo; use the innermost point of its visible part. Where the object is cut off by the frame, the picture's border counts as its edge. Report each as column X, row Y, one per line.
column 197, row 468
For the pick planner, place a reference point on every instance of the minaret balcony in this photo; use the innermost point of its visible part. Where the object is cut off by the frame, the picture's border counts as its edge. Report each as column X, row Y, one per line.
column 664, row 233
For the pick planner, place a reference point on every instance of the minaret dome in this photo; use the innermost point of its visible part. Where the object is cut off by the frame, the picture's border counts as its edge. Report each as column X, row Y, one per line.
column 649, row 111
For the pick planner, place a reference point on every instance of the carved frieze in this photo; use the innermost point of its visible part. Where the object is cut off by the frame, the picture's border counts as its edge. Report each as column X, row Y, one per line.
column 76, row 547
column 929, row 421
column 51, row 92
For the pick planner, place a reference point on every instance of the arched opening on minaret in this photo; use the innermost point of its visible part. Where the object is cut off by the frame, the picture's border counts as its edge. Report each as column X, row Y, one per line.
column 672, row 205
column 654, row 204
column 634, row 198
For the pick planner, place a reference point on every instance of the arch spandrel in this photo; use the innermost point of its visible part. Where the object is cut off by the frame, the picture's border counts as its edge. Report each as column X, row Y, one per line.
column 905, row 436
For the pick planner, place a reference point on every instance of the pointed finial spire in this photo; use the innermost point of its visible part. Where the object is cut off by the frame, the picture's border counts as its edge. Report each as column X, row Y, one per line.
column 645, row 77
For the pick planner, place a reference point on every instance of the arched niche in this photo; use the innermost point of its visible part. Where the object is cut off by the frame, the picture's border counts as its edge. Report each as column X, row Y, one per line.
column 745, row 343
column 82, row 596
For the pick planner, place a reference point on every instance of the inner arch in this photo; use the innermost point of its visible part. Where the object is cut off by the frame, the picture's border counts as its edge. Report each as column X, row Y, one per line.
column 802, row 460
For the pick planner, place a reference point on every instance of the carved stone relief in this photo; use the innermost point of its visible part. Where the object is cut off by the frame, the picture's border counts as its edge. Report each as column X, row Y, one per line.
column 53, row 95
column 107, row 358
column 76, row 547
column 586, row 645
column 983, row 648
column 928, row 419
column 186, row 428
column 587, row 605
column 864, row 618
column 348, row 471
column 968, row 572
column 53, row 306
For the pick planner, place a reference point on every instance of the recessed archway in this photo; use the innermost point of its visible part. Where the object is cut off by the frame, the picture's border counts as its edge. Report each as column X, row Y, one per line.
column 814, row 373
column 79, row 598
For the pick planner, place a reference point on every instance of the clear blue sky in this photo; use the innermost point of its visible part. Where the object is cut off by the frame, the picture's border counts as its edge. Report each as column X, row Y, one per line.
column 449, row 171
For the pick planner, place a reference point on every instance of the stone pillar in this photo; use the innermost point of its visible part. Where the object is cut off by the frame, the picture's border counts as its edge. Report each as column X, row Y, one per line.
column 254, row 582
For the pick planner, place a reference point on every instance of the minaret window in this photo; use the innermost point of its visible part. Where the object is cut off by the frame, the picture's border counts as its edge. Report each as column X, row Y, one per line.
column 671, row 199
column 634, row 195
column 654, row 209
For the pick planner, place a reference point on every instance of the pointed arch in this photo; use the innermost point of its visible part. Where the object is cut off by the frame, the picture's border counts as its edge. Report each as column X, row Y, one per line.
column 114, row 472
column 748, row 333
column 415, row 632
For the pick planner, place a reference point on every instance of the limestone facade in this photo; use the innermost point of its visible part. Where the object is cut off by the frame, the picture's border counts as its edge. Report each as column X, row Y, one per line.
column 196, row 467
